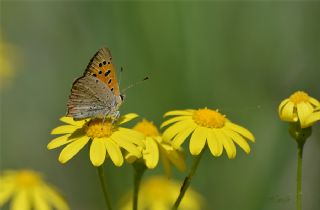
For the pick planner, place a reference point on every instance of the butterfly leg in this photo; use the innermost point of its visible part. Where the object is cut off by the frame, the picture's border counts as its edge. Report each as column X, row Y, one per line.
column 104, row 117
column 115, row 116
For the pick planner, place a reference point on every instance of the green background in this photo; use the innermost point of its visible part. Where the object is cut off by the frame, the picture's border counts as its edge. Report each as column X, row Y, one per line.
column 242, row 58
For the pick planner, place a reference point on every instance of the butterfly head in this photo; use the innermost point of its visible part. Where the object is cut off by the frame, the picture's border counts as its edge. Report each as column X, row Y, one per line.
column 122, row 96
column 119, row 101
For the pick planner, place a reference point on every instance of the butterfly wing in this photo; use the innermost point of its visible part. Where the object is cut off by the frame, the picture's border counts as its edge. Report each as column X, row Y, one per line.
column 90, row 98
column 101, row 67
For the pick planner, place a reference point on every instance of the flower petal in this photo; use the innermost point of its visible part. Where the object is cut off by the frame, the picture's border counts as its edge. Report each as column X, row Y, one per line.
column 59, row 141
column 6, row 191
column 72, row 149
column 97, row 151
column 198, row 140
column 241, row 130
column 227, row 144
column 166, row 165
column 176, row 128
column 114, row 152
column 20, row 201
column 174, row 119
column 179, row 112
column 304, row 110
column 130, row 135
column 182, row 136
column 127, row 145
column 311, row 119
column 39, row 200
column 69, row 120
column 151, row 153
column 177, row 158
column 214, row 143
column 55, row 199
column 130, row 158
column 314, row 102
column 287, row 112
column 63, row 129
column 282, row 104
column 126, row 118
column 237, row 139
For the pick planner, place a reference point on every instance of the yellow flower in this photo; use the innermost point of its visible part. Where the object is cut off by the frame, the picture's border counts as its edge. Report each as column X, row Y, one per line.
column 106, row 138
column 206, row 126
column 29, row 191
column 155, row 147
column 160, row 193
column 297, row 108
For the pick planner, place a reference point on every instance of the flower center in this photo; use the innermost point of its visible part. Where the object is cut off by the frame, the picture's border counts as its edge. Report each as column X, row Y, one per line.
column 96, row 128
column 147, row 128
column 27, row 179
column 299, row 97
column 209, row 118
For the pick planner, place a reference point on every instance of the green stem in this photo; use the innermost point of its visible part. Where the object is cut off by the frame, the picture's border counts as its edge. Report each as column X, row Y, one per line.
column 299, row 175
column 187, row 179
column 103, row 186
column 139, row 169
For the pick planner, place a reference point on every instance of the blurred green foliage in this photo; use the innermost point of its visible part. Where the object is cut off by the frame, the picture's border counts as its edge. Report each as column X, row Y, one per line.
column 242, row 58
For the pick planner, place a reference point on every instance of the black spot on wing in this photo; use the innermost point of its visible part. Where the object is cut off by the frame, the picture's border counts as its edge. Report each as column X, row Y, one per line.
column 107, row 72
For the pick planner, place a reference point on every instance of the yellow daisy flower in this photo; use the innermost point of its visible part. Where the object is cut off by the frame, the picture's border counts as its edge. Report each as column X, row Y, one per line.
column 106, row 139
column 155, row 147
column 297, row 108
column 206, row 126
column 159, row 193
column 28, row 191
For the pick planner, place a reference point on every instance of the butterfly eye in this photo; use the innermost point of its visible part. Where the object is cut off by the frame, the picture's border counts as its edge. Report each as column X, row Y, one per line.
column 122, row 97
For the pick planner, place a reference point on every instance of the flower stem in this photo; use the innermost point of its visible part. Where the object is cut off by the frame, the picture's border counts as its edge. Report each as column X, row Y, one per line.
column 139, row 169
column 187, row 179
column 299, row 175
column 300, row 135
column 103, row 186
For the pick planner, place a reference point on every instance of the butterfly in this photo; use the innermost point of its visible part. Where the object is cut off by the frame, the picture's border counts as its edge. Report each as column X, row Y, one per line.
column 96, row 94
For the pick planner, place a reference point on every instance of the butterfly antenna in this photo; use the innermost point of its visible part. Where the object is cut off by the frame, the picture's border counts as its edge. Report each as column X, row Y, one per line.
column 134, row 84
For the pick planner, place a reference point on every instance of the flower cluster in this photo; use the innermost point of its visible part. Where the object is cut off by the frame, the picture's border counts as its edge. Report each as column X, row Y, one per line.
column 144, row 145
column 144, row 141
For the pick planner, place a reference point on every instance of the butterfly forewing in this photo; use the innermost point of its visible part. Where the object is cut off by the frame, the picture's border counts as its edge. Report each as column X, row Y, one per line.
column 101, row 67
column 90, row 97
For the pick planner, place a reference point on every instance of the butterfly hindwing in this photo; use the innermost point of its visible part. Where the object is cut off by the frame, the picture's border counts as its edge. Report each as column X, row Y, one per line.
column 90, row 98
column 102, row 67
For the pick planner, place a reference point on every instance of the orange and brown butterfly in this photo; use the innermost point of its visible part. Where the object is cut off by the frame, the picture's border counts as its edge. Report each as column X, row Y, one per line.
column 96, row 94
